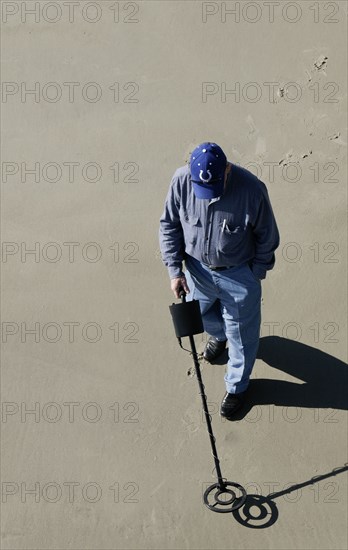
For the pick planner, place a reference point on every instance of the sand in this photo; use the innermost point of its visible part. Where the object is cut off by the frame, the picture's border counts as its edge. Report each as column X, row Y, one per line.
column 115, row 453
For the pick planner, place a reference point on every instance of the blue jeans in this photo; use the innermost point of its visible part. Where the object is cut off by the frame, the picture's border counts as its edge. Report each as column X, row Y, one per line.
column 230, row 303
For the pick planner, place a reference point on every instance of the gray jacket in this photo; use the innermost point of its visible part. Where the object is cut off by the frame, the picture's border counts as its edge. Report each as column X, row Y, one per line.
column 236, row 228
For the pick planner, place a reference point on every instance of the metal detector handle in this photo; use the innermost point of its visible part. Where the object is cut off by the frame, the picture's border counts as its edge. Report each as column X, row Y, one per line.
column 182, row 294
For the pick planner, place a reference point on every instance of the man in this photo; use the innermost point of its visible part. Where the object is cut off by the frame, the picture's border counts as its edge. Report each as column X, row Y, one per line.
column 218, row 219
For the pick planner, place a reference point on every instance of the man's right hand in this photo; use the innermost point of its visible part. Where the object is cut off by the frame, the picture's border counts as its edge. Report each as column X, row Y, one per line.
column 177, row 283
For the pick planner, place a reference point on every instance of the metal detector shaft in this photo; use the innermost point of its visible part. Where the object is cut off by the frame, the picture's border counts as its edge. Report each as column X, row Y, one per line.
column 223, row 496
column 206, row 412
column 204, row 403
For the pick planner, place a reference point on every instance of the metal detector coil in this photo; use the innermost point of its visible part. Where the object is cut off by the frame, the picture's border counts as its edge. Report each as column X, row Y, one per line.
column 187, row 320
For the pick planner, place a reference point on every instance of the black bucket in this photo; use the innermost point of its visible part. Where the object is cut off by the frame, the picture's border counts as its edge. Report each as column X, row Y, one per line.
column 187, row 318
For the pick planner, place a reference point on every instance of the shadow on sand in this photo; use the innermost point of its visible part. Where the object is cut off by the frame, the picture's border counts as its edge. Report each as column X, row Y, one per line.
column 322, row 379
column 322, row 383
column 259, row 512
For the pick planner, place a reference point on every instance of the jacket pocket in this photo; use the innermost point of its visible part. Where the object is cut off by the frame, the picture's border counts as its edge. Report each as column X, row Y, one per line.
column 231, row 237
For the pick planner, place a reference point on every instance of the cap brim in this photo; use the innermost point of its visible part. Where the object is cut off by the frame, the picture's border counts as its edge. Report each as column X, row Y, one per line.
column 208, row 190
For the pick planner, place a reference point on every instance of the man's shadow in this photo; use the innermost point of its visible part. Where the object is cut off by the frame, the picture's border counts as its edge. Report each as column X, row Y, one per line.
column 322, row 383
column 322, row 378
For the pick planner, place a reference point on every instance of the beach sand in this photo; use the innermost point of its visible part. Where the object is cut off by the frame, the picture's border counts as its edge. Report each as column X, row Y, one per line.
column 104, row 444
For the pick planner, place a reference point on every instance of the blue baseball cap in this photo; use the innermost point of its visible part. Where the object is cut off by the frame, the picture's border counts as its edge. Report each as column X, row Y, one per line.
column 207, row 166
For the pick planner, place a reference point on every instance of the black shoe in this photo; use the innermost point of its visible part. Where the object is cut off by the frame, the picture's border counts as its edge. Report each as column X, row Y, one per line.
column 213, row 349
column 231, row 403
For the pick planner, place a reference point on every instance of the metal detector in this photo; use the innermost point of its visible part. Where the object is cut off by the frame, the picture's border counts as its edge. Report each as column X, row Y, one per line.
column 223, row 496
